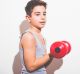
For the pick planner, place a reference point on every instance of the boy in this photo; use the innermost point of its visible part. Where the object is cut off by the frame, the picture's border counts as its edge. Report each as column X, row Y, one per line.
column 32, row 44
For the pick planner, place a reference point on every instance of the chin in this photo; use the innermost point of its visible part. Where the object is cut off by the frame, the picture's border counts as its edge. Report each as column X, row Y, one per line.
column 42, row 26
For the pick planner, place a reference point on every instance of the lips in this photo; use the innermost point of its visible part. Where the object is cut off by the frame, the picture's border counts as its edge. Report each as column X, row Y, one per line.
column 42, row 22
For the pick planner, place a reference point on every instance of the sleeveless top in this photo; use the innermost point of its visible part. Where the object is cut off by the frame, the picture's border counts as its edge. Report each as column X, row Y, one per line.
column 40, row 51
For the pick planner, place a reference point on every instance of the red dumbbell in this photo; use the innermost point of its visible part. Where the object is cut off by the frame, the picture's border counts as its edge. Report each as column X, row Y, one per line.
column 58, row 49
column 68, row 46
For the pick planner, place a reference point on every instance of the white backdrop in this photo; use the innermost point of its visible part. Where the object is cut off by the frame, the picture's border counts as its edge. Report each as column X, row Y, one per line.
column 63, row 20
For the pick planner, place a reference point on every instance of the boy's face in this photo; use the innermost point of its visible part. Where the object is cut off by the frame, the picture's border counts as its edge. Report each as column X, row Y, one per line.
column 38, row 17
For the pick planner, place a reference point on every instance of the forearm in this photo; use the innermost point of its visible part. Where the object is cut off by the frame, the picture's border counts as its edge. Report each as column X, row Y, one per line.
column 39, row 62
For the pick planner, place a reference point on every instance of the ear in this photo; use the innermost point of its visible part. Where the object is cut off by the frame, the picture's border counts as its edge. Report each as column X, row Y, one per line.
column 28, row 18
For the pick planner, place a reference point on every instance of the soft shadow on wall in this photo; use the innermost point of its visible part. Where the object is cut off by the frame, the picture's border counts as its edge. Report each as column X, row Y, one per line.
column 16, row 63
column 51, row 67
column 54, row 65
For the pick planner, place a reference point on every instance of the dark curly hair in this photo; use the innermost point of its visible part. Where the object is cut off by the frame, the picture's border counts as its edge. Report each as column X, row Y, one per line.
column 31, row 4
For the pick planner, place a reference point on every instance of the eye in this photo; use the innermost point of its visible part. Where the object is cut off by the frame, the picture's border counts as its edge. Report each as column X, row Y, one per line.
column 37, row 14
column 44, row 14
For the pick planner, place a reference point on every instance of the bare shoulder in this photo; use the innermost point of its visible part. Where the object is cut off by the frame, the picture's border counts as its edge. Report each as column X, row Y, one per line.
column 27, row 38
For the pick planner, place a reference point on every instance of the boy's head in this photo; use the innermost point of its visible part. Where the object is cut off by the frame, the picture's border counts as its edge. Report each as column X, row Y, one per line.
column 33, row 3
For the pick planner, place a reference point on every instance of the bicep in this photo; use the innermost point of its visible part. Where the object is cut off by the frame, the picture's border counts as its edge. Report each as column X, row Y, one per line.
column 29, row 50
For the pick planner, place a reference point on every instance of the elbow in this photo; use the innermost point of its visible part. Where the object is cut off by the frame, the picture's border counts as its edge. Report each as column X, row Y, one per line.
column 30, row 68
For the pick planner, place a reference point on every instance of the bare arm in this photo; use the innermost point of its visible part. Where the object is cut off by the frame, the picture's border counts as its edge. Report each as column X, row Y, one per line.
column 31, row 62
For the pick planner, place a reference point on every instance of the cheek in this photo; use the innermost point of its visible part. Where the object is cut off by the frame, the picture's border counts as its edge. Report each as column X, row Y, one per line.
column 35, row 19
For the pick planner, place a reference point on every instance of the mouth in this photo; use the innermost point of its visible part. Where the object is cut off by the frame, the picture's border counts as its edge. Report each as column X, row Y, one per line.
column 42, row 22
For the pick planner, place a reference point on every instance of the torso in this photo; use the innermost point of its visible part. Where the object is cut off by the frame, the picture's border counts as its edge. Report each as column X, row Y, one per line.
column 40, row 51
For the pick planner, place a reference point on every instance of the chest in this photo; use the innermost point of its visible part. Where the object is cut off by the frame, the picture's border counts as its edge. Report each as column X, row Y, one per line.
column 41, row 39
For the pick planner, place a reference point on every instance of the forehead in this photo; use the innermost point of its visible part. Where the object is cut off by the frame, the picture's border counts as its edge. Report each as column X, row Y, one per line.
column 39, row 9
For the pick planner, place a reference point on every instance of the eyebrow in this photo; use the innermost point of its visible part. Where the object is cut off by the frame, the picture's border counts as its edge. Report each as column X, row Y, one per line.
column 39, row 12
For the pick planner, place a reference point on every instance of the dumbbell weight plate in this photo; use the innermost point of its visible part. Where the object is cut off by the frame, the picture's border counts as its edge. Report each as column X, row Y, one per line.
column 58, row 49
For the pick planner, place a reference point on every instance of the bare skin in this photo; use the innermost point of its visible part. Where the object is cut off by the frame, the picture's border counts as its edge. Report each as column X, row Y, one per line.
column 37, row 21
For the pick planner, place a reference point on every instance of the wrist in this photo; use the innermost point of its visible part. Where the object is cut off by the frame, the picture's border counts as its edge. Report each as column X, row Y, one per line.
column 50, row 56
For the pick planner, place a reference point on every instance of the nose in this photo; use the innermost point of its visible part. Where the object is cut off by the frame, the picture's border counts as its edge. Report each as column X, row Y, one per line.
column 43, row 17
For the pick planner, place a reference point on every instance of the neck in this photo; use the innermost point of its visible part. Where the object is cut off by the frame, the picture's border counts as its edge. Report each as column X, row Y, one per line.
column 34, row 29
